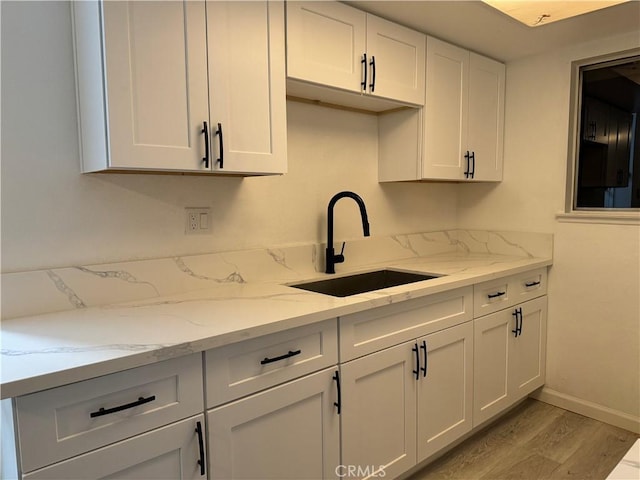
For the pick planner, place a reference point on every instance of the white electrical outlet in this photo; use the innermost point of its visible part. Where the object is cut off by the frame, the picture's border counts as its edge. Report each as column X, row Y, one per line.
column 198, row 220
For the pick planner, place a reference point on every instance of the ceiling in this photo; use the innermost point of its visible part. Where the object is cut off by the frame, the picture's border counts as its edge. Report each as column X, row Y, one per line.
column 477, row 26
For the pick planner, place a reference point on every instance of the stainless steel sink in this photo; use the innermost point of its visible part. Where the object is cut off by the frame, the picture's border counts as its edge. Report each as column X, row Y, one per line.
column 362, row 282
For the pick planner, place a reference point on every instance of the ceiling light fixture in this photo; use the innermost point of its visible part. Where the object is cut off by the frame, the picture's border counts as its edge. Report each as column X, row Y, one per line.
column 537, row 13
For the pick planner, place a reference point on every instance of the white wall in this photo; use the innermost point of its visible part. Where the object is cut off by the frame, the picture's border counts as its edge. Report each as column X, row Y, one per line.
column 594, row 306
column 54, row 216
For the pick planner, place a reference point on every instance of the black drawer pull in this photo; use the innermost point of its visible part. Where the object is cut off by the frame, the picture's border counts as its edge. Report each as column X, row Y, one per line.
column 416, row 372
column 281, row 357
column 107, row 411
column 200, row 448
column 532, row 284
column 495, row 295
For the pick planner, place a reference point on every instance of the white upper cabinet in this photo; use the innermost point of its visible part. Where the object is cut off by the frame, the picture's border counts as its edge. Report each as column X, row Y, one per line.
column 156, row 86
column 464, row 115
column 485, row 137
column 247, row 87
column 446, row 113
column 332, row 44
column 458, row 135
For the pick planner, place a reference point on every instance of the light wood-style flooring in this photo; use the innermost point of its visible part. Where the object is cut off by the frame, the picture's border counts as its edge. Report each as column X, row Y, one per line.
column 535, row 441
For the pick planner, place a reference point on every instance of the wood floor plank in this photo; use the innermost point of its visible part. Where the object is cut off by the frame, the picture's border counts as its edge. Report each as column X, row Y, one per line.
column 522, row 464
column 535, row 441
column 563, row 438
column 598, row 454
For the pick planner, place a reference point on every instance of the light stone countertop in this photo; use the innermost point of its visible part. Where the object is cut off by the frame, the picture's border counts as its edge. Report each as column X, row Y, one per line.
column 48, row 350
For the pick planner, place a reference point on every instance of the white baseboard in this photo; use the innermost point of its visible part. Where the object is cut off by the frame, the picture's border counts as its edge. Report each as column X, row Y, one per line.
column 588, row 409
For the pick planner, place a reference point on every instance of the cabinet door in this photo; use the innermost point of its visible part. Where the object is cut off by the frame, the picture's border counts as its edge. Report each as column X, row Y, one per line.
column 170, row 452
column 379, row 412
column 288, row 432
column 527, row 351
column 486, row 117
column 247, row 87
column 156, row 82
column 396, row 60
column 492, row 336
column 326, row 44
column 446, row 105
column 445, row 389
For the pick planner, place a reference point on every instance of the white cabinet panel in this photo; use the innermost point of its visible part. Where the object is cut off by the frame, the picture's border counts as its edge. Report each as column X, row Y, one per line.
column 61, row 422
column 337, row 46
column 156, row 88
column 445, row 390
column 396, row 57
column 445, row 112
column 288, row 432
column 243, row 368
column 379, row 411
column 509, row 356
column 371, row 330
column 326, row 43
column 170, row 453
column 247, row 86
column 486, row 116
column 506, row 292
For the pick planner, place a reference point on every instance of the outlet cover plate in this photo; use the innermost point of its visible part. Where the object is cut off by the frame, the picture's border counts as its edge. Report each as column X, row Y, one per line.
column 197, row 220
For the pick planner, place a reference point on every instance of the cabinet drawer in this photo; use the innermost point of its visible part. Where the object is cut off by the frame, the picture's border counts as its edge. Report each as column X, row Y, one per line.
column 243, row 368
column 62, row 422
column 494, row 295
column 369, row 331
column 168, row 452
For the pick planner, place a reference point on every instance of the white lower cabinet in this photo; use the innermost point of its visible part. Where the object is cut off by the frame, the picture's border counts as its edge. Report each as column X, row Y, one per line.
column 509, row 357
column 404, row 403
column 291, row 431
column 174, row 452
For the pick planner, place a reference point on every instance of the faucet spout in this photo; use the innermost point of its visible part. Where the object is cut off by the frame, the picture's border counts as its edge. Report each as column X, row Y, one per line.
column 331, row 257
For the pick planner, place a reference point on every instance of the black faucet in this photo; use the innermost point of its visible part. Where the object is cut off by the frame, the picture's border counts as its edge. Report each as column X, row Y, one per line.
column 331, row 257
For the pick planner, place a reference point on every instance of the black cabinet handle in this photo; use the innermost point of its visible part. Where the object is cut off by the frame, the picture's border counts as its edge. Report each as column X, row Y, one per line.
column 520, row 325
column 416, row 372
column 424, row 349
column 338, row 404
column 200, row 447
column 372, row 85
column 363, row 84
column 220, row 159
column 518, row 314
column 107, row 411
column 281, row 357
column 531, row 284
column 473, row 164
column 205, row 130
column 466, row 157
column 495, row 295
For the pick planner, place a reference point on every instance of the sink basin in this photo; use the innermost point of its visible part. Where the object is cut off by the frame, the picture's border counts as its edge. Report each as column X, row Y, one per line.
column 362, row 282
